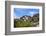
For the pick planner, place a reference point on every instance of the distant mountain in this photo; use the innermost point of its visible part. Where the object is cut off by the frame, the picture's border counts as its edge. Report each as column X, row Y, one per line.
column 34, row 18
column 26, row 17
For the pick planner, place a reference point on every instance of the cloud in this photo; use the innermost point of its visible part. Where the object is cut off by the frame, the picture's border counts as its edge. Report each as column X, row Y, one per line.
column 32, row 13
column 16, row 17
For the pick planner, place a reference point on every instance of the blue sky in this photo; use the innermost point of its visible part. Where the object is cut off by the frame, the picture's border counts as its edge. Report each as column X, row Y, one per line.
column 25, row 11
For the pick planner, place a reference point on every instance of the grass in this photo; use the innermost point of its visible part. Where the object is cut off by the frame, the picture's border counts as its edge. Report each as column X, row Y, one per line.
column 22, row 23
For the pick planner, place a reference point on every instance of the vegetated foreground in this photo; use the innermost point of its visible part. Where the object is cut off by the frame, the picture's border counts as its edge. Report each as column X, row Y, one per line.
column 27, row 21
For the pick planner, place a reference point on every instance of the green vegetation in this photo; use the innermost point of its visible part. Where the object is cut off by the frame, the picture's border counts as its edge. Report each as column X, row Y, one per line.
column 30, row 22
column 22, row 23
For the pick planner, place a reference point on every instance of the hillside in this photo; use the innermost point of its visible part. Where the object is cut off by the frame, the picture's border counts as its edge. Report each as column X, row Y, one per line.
column 27, row 21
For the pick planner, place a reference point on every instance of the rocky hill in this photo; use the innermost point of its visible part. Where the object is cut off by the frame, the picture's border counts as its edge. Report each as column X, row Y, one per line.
column 35, row 18
column 27, row 21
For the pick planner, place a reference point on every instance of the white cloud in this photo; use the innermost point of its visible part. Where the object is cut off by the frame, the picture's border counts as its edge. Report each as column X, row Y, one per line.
column 16, row 17
column 32, row 13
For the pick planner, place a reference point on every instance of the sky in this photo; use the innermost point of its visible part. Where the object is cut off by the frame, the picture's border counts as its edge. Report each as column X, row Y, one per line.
column 18, row 12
